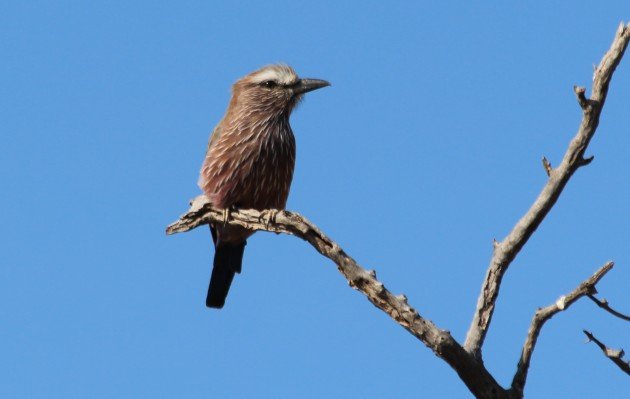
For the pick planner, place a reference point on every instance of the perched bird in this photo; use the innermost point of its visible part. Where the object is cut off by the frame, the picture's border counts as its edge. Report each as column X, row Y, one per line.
column 249, row 161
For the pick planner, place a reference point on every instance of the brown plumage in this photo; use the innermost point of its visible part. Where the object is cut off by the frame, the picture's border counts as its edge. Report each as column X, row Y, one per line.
column 249, row 162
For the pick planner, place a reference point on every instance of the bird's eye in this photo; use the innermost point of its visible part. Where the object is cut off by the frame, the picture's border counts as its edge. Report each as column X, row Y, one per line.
column 269, row 84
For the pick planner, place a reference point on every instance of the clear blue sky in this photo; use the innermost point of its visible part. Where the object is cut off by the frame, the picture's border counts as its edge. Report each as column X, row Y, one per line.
column 426, row 147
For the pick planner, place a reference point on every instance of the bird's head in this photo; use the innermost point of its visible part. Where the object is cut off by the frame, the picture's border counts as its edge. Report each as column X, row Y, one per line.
column 273, row 89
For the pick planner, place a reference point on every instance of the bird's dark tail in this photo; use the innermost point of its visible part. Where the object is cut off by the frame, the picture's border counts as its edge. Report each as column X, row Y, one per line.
column 227, row 261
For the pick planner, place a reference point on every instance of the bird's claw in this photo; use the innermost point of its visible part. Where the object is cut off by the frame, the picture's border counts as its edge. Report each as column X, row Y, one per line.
column 270, row 217
column 226, row 215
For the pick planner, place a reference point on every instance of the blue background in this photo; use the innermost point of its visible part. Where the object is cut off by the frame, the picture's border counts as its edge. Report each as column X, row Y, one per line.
column 426, row 147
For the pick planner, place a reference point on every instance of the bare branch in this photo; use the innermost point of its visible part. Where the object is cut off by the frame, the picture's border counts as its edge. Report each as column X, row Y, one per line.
column 542, row 315
column 602, row 303
column 506, row 251
column 466, row 359
column 472, row 373
column 615, row 355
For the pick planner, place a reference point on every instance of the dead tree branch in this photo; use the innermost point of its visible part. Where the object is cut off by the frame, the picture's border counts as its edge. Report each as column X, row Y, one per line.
column 473, row 374
column 602, row 303
column 541, row 317
column 466, row 359
column 615, row 355
column 505, row 251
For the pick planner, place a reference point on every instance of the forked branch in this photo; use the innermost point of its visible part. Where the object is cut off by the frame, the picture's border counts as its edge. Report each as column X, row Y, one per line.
column 505, row 251
column 465, row 360
column 540, row 318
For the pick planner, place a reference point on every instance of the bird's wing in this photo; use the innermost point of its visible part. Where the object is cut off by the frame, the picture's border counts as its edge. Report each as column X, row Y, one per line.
column 214, row 137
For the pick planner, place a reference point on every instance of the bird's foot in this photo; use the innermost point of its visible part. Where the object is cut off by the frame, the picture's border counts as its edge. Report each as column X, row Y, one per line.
column 226, row 215
column 270, row 217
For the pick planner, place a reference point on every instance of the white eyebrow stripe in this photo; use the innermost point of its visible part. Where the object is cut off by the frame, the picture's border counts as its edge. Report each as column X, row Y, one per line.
column 268, row 74
column 279, row 75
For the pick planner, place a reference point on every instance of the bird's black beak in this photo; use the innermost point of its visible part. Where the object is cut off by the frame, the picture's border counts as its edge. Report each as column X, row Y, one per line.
column 305, row 85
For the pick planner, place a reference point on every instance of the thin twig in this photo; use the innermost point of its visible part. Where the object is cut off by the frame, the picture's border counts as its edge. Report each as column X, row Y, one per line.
column 602, row 303
column 547, row 166
column 581, row 97
column 473, row 373
column 542, row 315
column 505, row 252
column 615, row 355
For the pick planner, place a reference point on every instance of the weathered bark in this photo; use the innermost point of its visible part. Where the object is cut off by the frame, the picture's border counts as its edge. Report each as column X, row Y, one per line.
column 506, row 250
column 472, row 373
